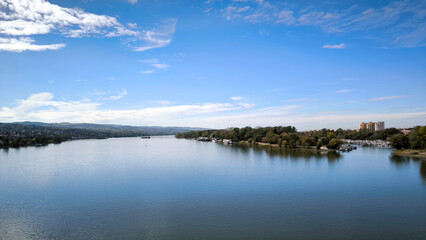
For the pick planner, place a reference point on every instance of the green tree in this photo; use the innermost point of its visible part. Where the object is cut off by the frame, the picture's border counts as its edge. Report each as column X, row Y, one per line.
column 399, row 141
column 309, row 141
column 280, row 142
column 293, row 139
column 418, row 138
column 330, row 135
column 334, row 143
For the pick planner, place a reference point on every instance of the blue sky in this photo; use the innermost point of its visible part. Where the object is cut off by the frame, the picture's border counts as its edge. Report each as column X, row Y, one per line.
column 310, row 64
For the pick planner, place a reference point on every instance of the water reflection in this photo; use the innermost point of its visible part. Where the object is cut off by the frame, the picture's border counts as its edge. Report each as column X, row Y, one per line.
column 403, row 161
column 423, row 170
column 4, row 150
column 166, row 188
column 292, row 154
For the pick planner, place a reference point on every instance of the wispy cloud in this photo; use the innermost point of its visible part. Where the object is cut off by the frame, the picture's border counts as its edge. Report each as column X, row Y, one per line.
column 399, row 22
column 384, row 98
column 288, row 115
column 344, row 90
column 155, row 64
column 160, row 65
column 152, row 60
column 116, row 97
column 157, row 38
column 231, row 12
column 247, row 105
column 19, row 20
column 43, row 107
column 148, row 71
column 376, row 99
column 299, row 100
column 237, row 98
column 337, row 46
column 133, row 1
column 99, row 93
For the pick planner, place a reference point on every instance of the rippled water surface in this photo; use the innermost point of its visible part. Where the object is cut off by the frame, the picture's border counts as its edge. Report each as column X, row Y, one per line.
column 165, row 188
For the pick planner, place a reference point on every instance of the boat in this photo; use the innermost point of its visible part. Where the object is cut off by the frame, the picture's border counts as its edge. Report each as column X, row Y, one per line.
column 145, row 137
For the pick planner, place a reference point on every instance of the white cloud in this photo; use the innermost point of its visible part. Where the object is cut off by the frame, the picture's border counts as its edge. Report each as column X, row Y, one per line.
column 133, row 1
column 299, row 100
column 237, row 98
column 155, row 64
column 344, row 90
column 285, row 16
column 376, row 99
column 337, row 46
column 25, row 44
column 384, row 98
column 152, row 60
column 231, row 12
column 43, row 107
column 36, row 17
column 148, row 71
column 398, row 22
column 288, row 115
column 156, row 38
column 247, row 105
column 43, row 103
column 29, row 17
column 116, row 97
column 160, row 66
column 99, row 93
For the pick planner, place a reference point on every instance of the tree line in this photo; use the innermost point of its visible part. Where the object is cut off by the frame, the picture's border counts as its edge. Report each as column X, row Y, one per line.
column 283, row 136
column 20, row 135
column 287, row 136
column 416, row 139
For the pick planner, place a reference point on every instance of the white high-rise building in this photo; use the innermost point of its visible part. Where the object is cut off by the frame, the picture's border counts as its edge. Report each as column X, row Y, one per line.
column 379, row 126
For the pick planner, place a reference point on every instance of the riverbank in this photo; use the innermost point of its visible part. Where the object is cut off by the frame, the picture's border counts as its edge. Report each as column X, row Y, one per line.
column 262, row 144
column 272, row 145
column 418, row 153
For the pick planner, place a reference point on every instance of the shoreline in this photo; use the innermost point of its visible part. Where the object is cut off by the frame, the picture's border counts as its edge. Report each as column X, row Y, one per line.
column 277, row 146
column 416, row 153
column 298, row 147
column 34, row 144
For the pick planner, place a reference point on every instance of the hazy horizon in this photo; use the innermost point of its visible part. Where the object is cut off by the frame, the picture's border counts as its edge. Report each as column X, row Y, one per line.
column 213, row 64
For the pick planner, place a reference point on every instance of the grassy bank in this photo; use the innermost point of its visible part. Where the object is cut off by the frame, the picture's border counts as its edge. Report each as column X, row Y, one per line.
column 411, row 153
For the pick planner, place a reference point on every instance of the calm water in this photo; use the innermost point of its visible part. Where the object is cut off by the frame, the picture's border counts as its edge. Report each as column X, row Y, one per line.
column 165, row 188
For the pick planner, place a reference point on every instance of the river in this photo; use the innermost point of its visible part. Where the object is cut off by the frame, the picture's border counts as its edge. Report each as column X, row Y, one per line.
column 167, row 188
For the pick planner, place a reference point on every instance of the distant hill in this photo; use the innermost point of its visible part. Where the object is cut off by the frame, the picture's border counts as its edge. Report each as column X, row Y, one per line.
column 145, row 130
column 21, row 134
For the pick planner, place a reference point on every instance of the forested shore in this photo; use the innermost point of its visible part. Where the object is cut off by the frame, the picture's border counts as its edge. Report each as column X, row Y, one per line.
column 23, row 134
column 17, row 135
column 288, row 136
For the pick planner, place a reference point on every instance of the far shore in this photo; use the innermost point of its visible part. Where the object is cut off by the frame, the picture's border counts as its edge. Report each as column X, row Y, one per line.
column 278, row 146
column 418, row 153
